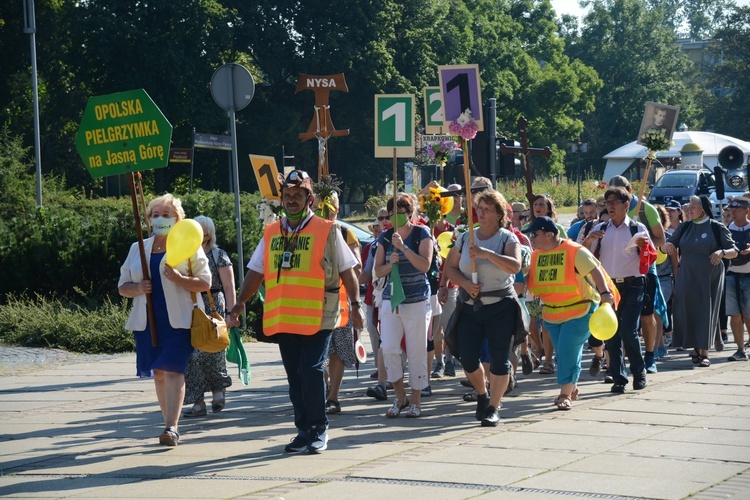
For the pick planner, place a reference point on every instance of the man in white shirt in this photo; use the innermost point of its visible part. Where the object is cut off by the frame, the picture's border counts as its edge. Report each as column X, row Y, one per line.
column 608, row 241
column 738, row 276
column 301, row 260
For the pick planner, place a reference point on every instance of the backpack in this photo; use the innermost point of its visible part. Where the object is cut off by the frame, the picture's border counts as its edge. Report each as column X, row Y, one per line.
column 433, row 273
column 741, row 239
column 633, row 231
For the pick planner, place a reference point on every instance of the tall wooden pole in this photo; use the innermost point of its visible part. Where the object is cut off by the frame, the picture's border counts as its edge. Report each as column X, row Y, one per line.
column 649, row 158
column 469, row 208
column 144, row 262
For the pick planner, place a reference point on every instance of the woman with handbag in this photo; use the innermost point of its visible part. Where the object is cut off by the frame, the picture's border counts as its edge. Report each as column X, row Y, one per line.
column 170, row 289
column 491, row 310
column 207, row 371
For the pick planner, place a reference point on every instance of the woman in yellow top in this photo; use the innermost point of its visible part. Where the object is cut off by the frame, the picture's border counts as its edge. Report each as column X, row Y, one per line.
column 559, row 275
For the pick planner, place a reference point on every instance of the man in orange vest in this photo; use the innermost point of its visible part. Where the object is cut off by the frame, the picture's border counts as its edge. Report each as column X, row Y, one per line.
column 560, row 271
column 302, row 260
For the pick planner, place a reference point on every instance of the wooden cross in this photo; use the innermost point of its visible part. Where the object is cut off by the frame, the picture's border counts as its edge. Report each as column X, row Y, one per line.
column 321, row 127
column 525, row 150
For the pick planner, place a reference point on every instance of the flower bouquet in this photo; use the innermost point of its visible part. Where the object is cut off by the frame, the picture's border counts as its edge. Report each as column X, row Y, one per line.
column 324, row 192
column 268, row 210
column 435, row 206
column 441, row 151
column 656, row 140
column 464, row 126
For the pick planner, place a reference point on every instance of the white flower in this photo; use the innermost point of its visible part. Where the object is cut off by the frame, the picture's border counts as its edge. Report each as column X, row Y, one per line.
column 465, row 117
column 267, row 211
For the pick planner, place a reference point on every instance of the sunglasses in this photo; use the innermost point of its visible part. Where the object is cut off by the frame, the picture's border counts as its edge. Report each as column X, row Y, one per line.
column 383, row 217
column 297, row 176
column 610, row 203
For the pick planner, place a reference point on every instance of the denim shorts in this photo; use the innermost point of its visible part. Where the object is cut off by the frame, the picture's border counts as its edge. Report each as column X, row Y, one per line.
column 733, row 307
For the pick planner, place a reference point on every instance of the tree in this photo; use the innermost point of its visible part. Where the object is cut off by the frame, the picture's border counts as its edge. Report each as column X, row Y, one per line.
column 728, row 108
column 698, row 19
column 636, row 57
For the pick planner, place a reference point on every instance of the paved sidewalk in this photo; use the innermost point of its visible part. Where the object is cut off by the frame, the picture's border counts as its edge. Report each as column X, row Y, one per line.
column 84, row 427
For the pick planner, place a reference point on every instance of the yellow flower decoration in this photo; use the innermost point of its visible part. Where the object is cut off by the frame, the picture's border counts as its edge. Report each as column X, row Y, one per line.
column 435, row 206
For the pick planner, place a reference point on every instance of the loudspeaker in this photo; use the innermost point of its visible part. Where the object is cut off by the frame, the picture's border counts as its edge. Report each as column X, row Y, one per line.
column 719, row 181
column 731, row 157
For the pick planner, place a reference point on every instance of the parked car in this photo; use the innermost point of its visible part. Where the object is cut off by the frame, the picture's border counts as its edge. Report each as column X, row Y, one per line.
column 680, row 185
column 364, row 236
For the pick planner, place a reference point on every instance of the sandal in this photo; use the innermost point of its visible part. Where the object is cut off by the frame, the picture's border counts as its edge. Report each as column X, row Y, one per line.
column 573, row 396
column 170, row 437
column 395, row 410
column 218, row 404
column 332, row 407
column 696, row 357
column 563, row 402
column 547, row 369
column 704, row 362
column 472, row 395
column 197, row 410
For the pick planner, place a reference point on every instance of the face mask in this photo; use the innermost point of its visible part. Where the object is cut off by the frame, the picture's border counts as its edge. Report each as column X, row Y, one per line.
column 162, row 225
column 296, row 217
column 398, row 220
column 703, row 214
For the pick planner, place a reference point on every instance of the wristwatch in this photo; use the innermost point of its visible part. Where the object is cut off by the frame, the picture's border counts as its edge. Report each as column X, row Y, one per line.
column 723, row 252
column 356, row 303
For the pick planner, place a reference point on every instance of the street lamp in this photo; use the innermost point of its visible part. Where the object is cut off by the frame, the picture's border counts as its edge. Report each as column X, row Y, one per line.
column 579, row 147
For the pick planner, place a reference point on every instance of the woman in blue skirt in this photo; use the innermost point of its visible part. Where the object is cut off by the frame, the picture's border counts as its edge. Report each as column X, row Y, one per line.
column 170, row 289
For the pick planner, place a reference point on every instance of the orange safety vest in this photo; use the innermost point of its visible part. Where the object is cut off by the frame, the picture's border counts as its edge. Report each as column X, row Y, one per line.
column 295, row 297
column 553, row 278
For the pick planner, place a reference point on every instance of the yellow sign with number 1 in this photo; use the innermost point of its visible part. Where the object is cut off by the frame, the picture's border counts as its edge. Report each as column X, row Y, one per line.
column 266, row 174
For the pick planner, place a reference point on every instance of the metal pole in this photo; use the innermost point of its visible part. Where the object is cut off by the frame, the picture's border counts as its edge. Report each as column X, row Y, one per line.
column 30, row 28
column 192, row 153
column 238, row 216
column 579, row 175
column 492, row 138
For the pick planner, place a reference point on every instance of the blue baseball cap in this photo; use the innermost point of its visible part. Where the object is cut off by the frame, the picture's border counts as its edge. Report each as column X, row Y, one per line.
column 542, row 223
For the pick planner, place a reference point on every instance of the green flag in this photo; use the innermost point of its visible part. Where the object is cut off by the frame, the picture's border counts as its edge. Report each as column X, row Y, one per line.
column 397, row 289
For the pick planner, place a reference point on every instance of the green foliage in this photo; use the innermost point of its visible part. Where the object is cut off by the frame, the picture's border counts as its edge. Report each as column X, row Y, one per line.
column 16, row 183
column 564, row 192
column 636, row 58
column 729, row 105
column 51, row 322
column 375, row 203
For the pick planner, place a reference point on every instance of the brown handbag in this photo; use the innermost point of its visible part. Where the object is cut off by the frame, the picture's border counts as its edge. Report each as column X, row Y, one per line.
column 208, row 333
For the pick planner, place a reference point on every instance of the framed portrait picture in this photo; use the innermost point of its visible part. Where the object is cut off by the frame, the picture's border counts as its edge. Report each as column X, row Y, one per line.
column 658, row 116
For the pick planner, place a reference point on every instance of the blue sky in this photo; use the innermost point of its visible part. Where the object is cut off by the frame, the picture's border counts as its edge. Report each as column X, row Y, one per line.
column 571, row 6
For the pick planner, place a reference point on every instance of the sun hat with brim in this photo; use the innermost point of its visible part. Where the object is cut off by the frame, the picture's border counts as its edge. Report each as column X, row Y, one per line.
column 296, row 179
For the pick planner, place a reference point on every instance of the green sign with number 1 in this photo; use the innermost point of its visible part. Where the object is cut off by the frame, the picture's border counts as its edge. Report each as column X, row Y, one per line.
column 394, row 125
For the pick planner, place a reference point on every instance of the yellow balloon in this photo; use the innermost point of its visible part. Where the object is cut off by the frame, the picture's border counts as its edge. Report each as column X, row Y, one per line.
column 603, row 323
column 660, row 257
column 183, row 240
column 444, row 242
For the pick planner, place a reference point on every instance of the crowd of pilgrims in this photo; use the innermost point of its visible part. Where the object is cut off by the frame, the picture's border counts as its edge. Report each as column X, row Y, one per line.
column 687, row 300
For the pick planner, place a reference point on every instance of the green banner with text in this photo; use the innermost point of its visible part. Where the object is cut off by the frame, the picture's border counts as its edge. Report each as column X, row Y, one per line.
column 123, row 132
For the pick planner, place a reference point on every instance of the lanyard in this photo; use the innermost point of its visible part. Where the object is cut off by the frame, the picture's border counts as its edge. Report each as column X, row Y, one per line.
column 290, row 242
